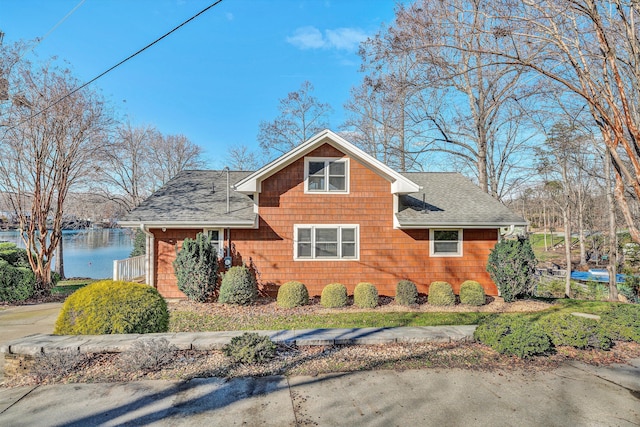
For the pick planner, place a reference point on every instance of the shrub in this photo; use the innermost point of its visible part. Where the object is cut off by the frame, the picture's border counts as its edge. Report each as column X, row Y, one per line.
column 16, row 283
column 365, row 295
column 334, row 295
column 108, row 307
column 196, row 267
column 513, row 335
column 580, row 332
column 406, row 293
column 238, row 287
column 441, row 293
column 148, row 355
column 139, row 244
column 472, row 293
column 511, row 266
column 57, row 364
column 292, row 294
column 622, row 321
column 250, row 347
column 13, row 255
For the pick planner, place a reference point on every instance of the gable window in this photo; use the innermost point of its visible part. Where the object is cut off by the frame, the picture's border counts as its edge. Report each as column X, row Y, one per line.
column 325, row 242
column 445, row 242
column 326, row 175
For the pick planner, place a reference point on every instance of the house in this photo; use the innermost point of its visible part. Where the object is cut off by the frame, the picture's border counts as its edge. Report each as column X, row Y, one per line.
column 327, row 212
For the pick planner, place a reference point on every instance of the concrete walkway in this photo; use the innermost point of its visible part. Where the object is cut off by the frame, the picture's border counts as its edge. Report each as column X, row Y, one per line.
column 18, row 321
column 574, row 395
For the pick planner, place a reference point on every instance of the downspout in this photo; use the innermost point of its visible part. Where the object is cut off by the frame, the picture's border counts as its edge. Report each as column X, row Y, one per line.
column 149, row 264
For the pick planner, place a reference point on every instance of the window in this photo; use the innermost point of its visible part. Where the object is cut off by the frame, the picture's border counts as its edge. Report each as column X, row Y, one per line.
column 328, row 175
column 445, row 243
column 325, row 242
column 217, row 240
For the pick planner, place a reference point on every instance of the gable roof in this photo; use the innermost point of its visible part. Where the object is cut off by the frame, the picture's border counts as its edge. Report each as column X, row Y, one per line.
column 196, row 199
column 399, row 184
column 451, row 200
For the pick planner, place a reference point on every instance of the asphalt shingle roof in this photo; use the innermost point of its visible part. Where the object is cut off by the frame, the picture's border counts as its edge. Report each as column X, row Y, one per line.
column 196, row 196
column 450, row 199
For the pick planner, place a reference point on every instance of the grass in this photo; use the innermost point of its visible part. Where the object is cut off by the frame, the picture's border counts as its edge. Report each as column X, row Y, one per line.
column 189, row 321
column 67, row 287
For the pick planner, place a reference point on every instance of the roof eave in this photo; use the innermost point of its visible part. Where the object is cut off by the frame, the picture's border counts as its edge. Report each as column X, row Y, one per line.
column 250, row 224
column 475, row 225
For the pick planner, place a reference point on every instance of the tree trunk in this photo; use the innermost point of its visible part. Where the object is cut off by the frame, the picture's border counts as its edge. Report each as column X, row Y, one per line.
column 567, row 249
column 583, row 252
column 59, row 268
column 613, row 236
column 544, row 219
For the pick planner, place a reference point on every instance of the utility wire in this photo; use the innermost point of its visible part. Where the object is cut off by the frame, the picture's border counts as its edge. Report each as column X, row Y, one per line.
column 40, row 39
column 115, row 66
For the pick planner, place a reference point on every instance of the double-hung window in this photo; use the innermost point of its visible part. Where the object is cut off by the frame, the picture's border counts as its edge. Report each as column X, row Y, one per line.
column 326, row 242
column 326, row 175
column 445, row 242
column 217, row 240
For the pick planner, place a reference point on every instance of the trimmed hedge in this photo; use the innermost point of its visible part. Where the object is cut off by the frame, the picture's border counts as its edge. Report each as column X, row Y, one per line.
column 238, row 287
column 365, row 295
column 441, row 293
column 334, row 295
column 575, row 331
column 513, row 335
column 406, row 293
column 292, row 294
column 472, row 293
column 108, row 307
column 16, row 283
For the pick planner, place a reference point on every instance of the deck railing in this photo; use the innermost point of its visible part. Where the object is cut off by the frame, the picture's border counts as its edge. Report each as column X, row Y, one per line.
column 129, row 269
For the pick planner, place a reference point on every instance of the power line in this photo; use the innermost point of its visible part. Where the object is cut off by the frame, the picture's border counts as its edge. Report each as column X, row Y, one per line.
column 115, row 66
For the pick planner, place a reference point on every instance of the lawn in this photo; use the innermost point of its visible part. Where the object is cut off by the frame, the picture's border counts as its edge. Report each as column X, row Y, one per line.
column 183, row 320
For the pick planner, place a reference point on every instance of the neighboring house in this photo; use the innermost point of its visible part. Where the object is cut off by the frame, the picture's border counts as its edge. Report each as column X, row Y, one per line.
column 328, row 212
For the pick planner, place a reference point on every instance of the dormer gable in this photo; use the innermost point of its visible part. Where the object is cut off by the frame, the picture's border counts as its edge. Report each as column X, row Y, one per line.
column 399, row 183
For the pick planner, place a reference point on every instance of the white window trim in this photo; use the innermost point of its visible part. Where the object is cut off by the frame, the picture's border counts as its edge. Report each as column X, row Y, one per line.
column 458, row 254
column 220, row 239
column 344, row 160
column 316, row 226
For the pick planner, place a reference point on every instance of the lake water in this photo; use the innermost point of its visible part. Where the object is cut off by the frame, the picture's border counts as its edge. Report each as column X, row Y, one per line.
column 88, row 253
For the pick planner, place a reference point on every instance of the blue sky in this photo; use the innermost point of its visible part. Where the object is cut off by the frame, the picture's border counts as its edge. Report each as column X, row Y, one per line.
column 215, row 79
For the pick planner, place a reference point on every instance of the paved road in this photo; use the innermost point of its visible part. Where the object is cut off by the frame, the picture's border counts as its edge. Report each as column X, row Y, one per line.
column 574, row 395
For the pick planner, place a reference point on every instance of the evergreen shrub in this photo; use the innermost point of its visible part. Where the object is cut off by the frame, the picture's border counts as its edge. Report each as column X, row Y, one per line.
column 622, row 321
column 334, row 295
column 406, row 293
column 513, row 335
column 196, row 268
column 472, row 293
column 292, row 294
column 575, row 331
column 108, row 307
column 365, row 295
column 238, row 287
column 16, row 283
column 511, row 266
column 441, row 293
column 250, row 347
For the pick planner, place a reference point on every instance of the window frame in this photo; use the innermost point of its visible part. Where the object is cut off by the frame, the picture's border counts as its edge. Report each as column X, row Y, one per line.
column 460, row 242
column 220, row 240
column 339, row 228
column 327, row 161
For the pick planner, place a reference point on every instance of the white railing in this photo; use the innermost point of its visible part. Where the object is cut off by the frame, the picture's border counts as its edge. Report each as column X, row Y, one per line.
column 129, row 269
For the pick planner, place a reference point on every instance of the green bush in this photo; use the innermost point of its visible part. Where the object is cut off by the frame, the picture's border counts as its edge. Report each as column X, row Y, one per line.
column 292, row 294
column 13, row 255
column 16, row 283
column 622, row 322
column 139, row 244
column 406, row 293
column 580, row 332
column 511, row 266
column 334, row 295
column 441, row 293
column 513, row 335
column 365, row 295
column 472, row 293
column 250, row 347
column 108, row 307
column 238, row 287
column 196, row 267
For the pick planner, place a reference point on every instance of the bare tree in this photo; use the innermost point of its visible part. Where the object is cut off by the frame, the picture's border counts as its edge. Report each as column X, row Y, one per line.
column 301, row 117
column 52, row 135
column 241, row 158
column 171, row 154
column 590, row 49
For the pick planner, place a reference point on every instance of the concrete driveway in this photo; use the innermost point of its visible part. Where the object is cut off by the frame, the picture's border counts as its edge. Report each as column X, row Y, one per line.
column 573, row 395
